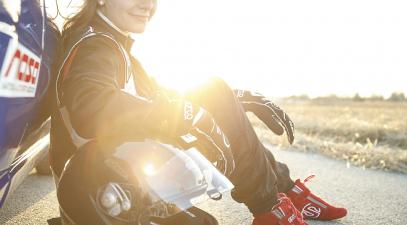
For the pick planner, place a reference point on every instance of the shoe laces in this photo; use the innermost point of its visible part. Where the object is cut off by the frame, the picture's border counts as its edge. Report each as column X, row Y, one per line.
column 309, row 178
column 285, row 207
column 300, row 189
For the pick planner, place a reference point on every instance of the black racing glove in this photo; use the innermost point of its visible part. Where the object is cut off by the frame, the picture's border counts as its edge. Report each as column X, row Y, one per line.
column 193, row 126
column 272, row 115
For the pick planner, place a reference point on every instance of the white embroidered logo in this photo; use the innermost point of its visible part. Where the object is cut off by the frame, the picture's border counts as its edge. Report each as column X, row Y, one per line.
column 292, row 218
column 225, row 139
column 311, row 211
column 240, row 93
column 188, row 111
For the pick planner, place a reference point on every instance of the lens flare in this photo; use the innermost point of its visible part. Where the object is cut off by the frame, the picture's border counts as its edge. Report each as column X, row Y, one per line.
column 149, row 169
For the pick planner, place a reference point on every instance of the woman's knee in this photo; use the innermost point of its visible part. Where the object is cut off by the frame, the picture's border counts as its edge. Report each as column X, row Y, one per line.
column 217, row 89
column 219, row 84
column 214, row 91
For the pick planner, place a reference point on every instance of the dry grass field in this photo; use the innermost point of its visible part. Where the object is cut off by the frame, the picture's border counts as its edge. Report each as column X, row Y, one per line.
column 367, row 134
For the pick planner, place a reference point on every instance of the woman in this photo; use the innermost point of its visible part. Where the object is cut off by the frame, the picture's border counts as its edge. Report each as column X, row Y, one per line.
column 97, row 98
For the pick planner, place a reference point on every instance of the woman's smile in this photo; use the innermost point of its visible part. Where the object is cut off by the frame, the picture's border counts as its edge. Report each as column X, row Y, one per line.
column 140, row 18
column 129, row 16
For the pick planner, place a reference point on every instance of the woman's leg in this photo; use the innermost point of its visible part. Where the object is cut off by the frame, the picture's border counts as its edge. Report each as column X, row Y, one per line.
column 257, row 176
column 284, row 181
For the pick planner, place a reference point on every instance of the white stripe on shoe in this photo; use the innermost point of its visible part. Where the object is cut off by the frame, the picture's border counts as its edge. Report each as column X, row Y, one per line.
column 317, row 202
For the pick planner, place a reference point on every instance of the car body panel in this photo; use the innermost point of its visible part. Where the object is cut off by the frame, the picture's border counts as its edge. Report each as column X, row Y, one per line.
column 27, row 48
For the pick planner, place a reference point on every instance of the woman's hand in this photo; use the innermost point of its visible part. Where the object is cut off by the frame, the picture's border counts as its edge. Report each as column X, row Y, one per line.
column 272, row 115
column 193, row 126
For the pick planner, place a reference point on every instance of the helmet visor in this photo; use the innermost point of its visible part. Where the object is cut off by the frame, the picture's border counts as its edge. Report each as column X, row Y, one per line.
column 174, row 179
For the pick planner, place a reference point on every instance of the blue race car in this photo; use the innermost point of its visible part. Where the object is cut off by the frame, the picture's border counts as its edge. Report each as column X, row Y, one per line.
column 28, row 42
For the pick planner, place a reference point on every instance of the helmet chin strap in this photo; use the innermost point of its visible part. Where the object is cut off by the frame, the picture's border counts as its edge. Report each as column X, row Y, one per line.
column 108, row 21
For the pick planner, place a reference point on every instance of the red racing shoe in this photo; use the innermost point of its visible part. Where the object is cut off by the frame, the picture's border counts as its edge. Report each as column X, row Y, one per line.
column 310, row 205
column 283, row 213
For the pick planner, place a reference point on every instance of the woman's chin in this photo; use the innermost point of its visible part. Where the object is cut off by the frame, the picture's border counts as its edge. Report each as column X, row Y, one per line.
column 137, row 29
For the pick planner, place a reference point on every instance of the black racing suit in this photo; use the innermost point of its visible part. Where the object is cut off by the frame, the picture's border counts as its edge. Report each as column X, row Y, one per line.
column 93, row 95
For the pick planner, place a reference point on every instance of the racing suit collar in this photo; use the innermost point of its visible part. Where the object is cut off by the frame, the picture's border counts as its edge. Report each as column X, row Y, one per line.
column 103, row 24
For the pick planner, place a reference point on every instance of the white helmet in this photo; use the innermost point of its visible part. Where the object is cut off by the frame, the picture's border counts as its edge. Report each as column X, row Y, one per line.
column 136, row 183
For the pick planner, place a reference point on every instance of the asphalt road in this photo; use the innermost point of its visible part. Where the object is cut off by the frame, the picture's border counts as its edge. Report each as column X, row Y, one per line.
column 372, row 197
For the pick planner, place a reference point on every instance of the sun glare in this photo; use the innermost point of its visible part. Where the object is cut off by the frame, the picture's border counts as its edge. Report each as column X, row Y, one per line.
column 149, row 169
column 280, row 49
column 182, row 83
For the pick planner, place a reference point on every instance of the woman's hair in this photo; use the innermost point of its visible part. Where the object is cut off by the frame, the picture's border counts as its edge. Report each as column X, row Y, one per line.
column 79, row 20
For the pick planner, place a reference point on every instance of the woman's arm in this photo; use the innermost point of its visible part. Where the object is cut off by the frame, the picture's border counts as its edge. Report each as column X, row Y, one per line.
column 94, row 99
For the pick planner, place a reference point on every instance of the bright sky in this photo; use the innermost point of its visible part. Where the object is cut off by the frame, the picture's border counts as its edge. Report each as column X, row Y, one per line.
column 280, row 48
